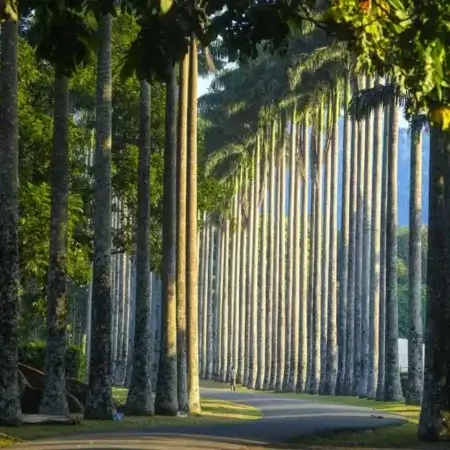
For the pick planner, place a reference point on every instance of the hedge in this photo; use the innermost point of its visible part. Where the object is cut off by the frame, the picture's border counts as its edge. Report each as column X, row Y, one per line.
column 33, row 354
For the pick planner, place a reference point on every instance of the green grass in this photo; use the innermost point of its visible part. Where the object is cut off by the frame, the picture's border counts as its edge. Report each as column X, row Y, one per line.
column 213, row 411
column 403, row 436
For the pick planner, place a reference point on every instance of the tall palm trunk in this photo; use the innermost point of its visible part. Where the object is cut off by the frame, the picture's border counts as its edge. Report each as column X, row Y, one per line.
column 367, row 226
column 191, row 237
column 317, row 278
column 290, row 255
column 203, row 289
column 312, row 255
column 166, row 402
column 253, row 313
column 226, row 310
column 263, row 292
column 331, row 361
column 10, row 412
column 219, row 302
column 271, row 255
column 139, row 400
column 282, row 290
column 357, row 374
column 99, row 402
column 181, row 169
column 382, row 318
column 54, row 396
column 210, row 300
column 344, row 247
column 304, row 246
column 393, row 388
column 242, row 294
column 430, row 423
column 276, row 279
column 325, row 248
column 415, row 351
column 239, row 277
column 296, row 319
column 375, row 256
column 350, row 336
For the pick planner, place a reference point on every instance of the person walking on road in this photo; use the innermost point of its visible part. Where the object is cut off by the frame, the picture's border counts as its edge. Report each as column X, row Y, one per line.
column 232, row 378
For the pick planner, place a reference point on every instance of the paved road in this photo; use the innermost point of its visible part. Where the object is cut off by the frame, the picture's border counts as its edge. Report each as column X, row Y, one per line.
column 283, row 419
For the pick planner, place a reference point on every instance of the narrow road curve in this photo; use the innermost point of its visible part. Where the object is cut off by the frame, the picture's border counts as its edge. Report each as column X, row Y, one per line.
column 284, row 418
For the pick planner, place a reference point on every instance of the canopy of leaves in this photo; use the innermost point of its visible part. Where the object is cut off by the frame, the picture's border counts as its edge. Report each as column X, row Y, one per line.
column 406, row 39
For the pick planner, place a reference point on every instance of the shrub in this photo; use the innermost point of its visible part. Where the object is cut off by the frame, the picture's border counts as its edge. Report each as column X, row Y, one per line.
column 33, row 354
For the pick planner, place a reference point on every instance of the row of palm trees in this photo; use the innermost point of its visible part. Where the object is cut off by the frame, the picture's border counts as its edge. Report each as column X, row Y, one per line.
column 178, row 334
column 289, row 297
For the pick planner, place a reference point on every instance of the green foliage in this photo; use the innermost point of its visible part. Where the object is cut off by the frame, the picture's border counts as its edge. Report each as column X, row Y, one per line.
column 404, row 38
column 33, row 355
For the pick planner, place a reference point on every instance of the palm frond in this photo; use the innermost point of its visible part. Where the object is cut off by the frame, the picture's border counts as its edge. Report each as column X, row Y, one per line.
column 367, row 100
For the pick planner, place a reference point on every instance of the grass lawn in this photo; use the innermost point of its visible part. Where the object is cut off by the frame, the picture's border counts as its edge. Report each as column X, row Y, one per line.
column 403, row 436
column 213, row 411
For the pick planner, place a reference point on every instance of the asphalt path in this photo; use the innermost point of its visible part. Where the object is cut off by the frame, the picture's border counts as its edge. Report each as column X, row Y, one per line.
column 284, row 418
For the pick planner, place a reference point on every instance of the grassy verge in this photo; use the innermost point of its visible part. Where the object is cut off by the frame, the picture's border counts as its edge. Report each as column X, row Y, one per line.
column 403, row 436
column 213, row 411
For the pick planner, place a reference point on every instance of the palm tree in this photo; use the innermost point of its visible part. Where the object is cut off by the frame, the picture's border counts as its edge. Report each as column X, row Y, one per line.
column 393, row 389
column 264, row 291
column 303, row 348
column 375, row 257
column 331, row 360
column 181, row 168
column 281, row 329
column 296, row 319
column 430, row 423
column 10, row 410
column 344, row 247
column 383, row 232
column 287, row 383
column 316, row 303
column 253, row 299
column 350, row 336
column 166, row 402
column 139, row 399
column 191, row 237
column 415, row 352
column 99, row 403
column 271, row 255
column 357, row 374
column 226, row 310
column 325, row 264
column 366, row 239
column 54, row 397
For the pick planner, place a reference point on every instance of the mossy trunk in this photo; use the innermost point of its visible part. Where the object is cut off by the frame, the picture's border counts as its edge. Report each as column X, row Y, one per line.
column 10, row 413
column 331, row 360
column 375, row 256
column 281, row 329
column 166, row 402
column 350, row 335
column 344, row 248
column 367, row 226
column 181, row 233
column 415, row 335
column 99, row 402
column 54, row 397
column 430, row 423
column 139, row 400
column 304, row 249
column 393, row 388
column 357, row 374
